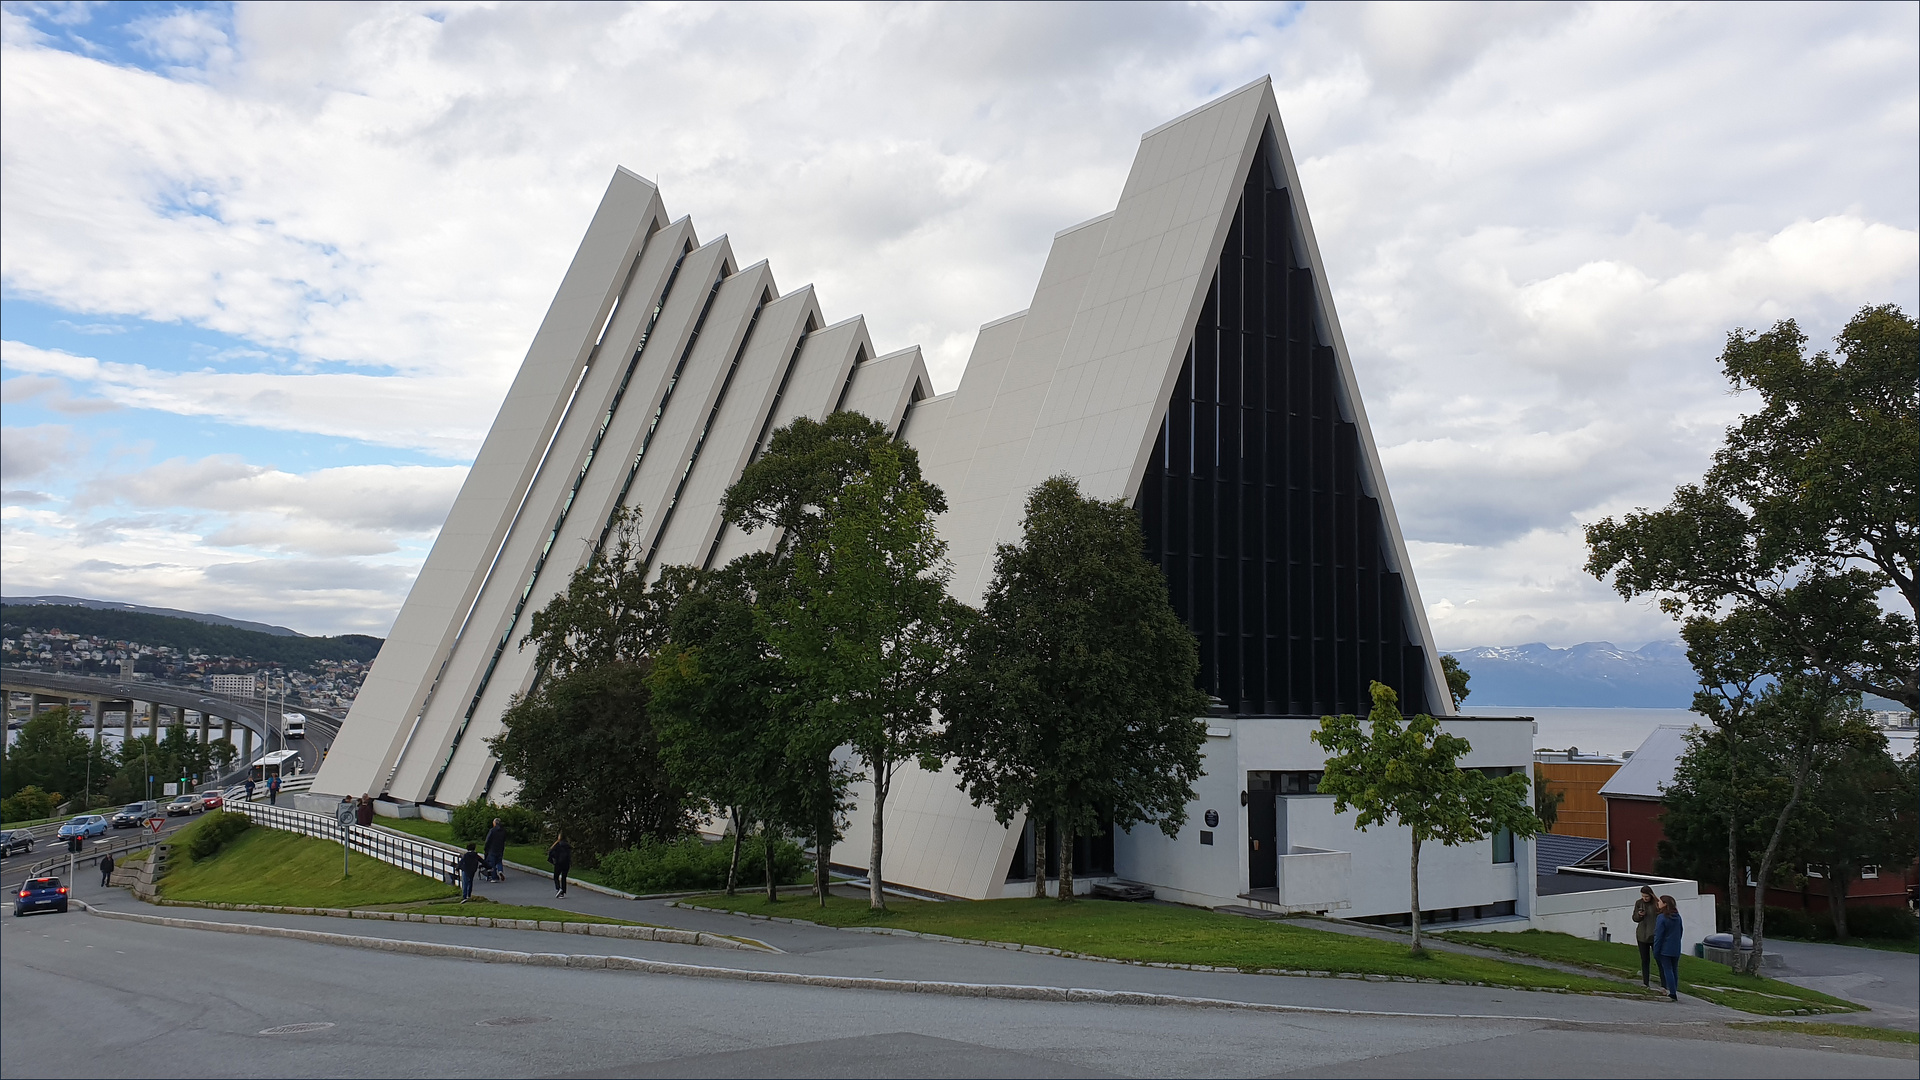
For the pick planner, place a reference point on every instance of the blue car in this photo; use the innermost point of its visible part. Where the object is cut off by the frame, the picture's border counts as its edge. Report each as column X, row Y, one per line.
column 84, row 825
column 40, row 894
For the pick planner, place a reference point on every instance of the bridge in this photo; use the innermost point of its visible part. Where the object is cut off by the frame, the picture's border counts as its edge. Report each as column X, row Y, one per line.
column 146, row 704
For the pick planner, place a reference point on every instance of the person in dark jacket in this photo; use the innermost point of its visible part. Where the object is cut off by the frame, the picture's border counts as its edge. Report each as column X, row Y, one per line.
column 496, row 849
column 1645, row 910
column 1666, row 945
column 470, row 864
column 561, row 856
column 106, row 870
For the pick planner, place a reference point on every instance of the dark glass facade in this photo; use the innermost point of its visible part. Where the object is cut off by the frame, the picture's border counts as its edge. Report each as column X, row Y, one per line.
column 1253, row 500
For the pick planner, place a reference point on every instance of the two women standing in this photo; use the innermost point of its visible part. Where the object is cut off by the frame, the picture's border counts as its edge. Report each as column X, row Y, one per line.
column 1657, row 930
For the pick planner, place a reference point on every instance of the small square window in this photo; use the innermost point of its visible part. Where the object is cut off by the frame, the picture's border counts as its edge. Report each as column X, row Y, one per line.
column 1206, row 837
column 1816, row 871
column 1869, row 872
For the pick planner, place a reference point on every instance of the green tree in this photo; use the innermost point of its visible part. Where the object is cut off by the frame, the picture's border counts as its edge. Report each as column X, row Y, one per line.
column 719, row 690
column 1076, row 697
column 862, row 625
column 52, row 753
column 1407, row 771
column 583, row 747
column 1546, row 800
column 1807, row 520
column 1457, row 679
column 1860, row 812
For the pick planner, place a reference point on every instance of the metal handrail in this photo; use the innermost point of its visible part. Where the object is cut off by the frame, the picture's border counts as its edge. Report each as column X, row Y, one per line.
column 425, row 857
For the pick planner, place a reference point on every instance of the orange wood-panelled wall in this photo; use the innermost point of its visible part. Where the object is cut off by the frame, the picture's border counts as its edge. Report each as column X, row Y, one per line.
column 1583, row 812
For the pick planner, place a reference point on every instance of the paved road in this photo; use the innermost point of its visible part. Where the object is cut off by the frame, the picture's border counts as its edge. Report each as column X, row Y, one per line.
column 1886, row 982
column 80, row 996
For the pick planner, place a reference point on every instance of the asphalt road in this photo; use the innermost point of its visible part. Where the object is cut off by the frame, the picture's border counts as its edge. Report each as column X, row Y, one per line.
column 84, row 996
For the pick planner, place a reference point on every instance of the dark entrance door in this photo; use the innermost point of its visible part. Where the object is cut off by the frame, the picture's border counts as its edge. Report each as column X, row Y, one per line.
column 1263, row 841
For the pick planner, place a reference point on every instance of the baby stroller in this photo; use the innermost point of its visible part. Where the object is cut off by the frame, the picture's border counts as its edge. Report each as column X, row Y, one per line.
column 493, row 871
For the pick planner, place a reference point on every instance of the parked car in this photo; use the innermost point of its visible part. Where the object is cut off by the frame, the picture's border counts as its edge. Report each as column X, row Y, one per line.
column 185, row 804
column 212, row 800
column 15, row 840
column 134, row 814
column 40, row 894
column 84, row 825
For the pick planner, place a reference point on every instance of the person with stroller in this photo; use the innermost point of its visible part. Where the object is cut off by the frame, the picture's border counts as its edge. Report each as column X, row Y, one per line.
column 496, row 852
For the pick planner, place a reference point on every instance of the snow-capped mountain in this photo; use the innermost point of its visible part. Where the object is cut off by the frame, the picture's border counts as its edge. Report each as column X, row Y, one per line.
column 1593, row 674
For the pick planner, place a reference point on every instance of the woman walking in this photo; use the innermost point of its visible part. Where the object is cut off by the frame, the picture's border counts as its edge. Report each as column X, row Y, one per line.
column 561, row 856
column 1666, row 945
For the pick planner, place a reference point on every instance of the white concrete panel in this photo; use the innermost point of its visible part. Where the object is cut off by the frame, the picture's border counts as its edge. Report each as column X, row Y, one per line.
column 884, row 386
column 383, row 713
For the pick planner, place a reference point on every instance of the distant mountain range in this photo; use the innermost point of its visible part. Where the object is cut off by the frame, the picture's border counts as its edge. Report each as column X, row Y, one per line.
column 172, row 613
column 1593, row 674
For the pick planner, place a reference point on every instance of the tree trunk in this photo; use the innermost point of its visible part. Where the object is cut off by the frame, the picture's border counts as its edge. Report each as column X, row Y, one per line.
column 1838, row 879
column 822, row 841
column 876, row 893
column 1733, row 881
column 733, row 861
column 1414, row 869
column 766, row 847
column 1766, row 868
column 1039, row 857
column 1066, row 861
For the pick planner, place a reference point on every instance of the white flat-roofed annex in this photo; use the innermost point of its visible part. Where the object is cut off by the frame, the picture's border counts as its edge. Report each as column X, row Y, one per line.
column 660, row 369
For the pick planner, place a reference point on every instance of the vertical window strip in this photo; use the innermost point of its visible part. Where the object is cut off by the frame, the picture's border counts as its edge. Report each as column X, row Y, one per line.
column 766, row 428
column 666, row 516
column 566, row 505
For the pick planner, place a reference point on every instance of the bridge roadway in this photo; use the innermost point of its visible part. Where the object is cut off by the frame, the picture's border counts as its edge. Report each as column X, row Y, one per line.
column 265, row 724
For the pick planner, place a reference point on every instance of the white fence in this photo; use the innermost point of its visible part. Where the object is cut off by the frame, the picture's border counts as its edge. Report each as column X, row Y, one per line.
column 434, row 860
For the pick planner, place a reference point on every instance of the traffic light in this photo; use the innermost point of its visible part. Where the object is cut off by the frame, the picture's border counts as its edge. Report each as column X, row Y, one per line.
column 76, row 843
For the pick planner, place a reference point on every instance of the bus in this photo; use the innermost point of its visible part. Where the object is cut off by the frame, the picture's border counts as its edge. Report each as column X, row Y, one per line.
column 282, row 763
column 293, row 725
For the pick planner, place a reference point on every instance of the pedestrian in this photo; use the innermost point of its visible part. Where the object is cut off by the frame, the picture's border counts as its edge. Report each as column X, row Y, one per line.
column 249, row 789
column 106, row 870
column 1645, row 910
column 273, row 790
column 497, row 851
column 561, row 856
column 1666, row 945
column 469, row 864
column 363, row 812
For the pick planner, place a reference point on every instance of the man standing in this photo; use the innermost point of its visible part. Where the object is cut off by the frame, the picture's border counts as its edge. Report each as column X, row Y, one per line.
column 1644, row 911
column 496, row 848
column 273, row 790
column 249, row 789
column 106, row 870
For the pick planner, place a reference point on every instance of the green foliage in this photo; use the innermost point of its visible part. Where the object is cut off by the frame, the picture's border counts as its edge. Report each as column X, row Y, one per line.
column 1873, row 923
column 267, row 866
column 1546, row 800
column 54, row 754
column 690, row 863
column 212, row 832
column 190, row 635
column 472, row 821
column 1076, row 695
column 1809, row 517
column 175, row 754
column 1457, row 679
column 583, row 747
column 608, row 615
column 1409, row 774
column 29, row 804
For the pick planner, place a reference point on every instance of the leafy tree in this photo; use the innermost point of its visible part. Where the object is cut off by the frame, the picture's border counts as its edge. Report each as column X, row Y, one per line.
column 1076, row 695
column 583, row 747
column 718, row 691
column 608, row 613
column 1807, row 519
column 1408, row 772
column 1546, row 800
column 861, row 625
column 52, row 753
column 1860, row 812
column 1457, row 679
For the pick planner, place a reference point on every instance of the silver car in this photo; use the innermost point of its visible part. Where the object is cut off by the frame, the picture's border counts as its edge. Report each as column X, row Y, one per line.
column 186, row 804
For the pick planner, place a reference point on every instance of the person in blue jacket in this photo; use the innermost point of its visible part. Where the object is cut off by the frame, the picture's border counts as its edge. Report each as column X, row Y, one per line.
column 1666, row 945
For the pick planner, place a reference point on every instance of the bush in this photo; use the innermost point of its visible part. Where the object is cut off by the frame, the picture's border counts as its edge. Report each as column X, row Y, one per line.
column 471, row 820
column 214, row 831
column 690, row 863
column 1885, row 923
column 28, row 804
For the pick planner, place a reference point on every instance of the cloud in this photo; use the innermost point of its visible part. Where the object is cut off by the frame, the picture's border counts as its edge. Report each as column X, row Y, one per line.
column 1539, row 221
column 29, row 452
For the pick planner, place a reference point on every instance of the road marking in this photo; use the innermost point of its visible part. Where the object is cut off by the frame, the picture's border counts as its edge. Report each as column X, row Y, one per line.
column 297, row 1029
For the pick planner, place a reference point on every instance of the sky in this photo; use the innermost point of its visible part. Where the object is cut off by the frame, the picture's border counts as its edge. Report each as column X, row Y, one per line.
column 267, row 270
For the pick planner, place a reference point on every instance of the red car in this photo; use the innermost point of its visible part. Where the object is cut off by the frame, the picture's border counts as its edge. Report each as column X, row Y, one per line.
column 212, row 800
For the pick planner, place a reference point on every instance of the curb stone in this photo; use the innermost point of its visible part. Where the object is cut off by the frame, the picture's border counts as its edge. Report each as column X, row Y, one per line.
column 634, row 933
column 1012, row 946
column 844, row 982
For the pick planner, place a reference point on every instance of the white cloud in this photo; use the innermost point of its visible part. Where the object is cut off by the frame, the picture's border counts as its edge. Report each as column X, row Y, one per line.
column 1539, row 220
column 30, row 452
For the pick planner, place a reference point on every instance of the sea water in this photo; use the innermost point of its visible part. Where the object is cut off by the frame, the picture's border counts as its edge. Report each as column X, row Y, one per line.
column 1592, row 731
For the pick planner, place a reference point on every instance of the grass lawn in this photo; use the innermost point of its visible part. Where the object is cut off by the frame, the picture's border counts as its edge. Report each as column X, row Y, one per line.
column 534, row 855
column 267, row 866
column 1161, row 933
column 1882, row 944
column 1837, row 1031
column 483, row 908
column 1701, row 978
